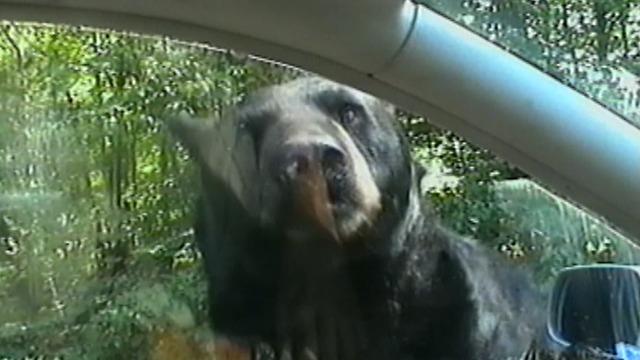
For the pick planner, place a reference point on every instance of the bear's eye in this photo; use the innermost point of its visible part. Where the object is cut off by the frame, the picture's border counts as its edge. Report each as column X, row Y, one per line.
column 349, row 115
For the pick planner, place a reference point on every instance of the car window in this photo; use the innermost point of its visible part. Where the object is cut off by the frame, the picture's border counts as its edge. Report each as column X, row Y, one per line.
column 588, row 45
column 97, row 203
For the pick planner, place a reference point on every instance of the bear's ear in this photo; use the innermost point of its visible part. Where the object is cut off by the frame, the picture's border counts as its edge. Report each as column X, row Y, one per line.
column 193, row 134
column 223, row 149
column 418, row 171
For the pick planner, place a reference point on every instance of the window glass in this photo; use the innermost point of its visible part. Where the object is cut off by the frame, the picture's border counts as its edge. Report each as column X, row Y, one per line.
column 97, row 257
column 591, row 45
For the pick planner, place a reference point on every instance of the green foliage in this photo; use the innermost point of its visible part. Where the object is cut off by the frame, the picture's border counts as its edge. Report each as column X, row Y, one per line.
column 118, row 328
column 92, row 189
column 469, row 206
column 557, row 233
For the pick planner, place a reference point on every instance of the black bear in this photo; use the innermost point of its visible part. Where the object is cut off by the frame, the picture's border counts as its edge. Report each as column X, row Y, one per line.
column 316, row 241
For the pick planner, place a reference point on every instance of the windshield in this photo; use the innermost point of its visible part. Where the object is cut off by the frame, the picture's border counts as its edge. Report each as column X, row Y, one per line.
column 591, row 45
column 221, row 233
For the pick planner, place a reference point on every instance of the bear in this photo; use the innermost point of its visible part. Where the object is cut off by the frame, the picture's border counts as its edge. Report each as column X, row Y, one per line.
column 316, row 240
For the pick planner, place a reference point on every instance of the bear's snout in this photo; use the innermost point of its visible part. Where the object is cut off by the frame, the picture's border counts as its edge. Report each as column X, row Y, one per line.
column 312, row 174
column 296, row 160
column 315, row 175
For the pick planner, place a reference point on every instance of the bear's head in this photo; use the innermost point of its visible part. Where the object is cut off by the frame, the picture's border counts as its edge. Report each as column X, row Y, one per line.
column 309, row 155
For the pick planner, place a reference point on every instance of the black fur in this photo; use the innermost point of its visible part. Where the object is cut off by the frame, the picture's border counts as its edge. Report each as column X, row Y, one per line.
column 422, row 291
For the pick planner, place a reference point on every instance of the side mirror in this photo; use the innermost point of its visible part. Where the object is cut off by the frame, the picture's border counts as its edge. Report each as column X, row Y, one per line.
column 597, row 306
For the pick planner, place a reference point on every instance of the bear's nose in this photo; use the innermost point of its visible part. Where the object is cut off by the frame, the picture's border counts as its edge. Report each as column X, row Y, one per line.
column 297, row 159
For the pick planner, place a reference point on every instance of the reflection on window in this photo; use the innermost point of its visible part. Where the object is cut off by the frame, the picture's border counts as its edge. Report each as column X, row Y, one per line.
column 96, row 253
column 591, row 45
